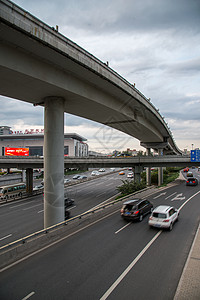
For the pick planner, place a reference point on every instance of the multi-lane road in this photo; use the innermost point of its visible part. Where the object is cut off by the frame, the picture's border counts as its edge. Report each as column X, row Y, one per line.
column 20, row 218
column 111, row 258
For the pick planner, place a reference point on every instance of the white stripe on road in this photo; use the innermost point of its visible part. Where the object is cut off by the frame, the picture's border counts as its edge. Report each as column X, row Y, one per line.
column 99, row 195
column 188, row 200
column 28, row 296
column 121, row 277
column 32, row 206
column 109, row 184
column 5, row 237
column 171, row 195
column 122, row 228
column 20, row 205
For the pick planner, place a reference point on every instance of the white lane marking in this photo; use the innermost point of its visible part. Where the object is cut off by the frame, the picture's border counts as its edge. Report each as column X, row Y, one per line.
column 188, row 200
column 72, row 207
column 32, row 206
column 40, row 211
column 99, row 195
column 121, row 277
column 28, row 296
column 100, row 183
column 170, row 195
column 162, row 194
column 109, row 184
column 5, row 237
column 122, row 228
column 19, row 205
column 178, row 197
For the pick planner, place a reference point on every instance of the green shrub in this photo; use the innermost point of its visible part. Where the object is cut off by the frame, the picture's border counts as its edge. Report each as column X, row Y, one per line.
column 129, row 187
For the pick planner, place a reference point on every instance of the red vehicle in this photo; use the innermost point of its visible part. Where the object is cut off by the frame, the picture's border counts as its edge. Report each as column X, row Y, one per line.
column 186, row 169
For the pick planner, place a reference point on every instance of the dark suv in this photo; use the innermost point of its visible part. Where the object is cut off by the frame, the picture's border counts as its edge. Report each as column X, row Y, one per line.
column 136, row 209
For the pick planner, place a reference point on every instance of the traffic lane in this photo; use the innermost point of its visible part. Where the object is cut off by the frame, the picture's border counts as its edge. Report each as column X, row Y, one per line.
column 87, row 195
column 18, row 219
column 80, row 266
column 22, row 218
column 90, row 194
column 174, row 195
column 20, row 227
column 157, row 274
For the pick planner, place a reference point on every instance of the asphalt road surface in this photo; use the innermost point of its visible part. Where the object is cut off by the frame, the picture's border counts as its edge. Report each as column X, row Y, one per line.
column 23, row 217
column 111, row 259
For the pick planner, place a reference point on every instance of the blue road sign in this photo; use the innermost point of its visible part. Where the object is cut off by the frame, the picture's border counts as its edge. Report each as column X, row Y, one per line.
column 195, row 155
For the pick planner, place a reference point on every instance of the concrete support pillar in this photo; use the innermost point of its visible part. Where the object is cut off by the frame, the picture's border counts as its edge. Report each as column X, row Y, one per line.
column 29, row 180
column 137, row 173
column 53, row 161
column 148, row 170
column 160, row 170
column 23, row 175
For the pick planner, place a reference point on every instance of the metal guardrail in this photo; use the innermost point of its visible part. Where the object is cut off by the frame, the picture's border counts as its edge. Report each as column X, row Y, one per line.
column 66, row 222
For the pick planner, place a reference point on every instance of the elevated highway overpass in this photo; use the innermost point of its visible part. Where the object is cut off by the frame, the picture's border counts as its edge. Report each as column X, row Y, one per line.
column 41, row 66
column 101, row 162
column 38, row 62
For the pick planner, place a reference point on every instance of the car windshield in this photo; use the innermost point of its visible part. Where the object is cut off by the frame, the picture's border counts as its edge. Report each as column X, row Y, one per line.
column 159, row 215
column 1, row 190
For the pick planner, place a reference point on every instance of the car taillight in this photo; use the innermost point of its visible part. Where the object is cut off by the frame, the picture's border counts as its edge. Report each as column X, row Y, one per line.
column 136, row 212
column 167, row 220
column 187, row 181
column 150, row 218
column 193, row 181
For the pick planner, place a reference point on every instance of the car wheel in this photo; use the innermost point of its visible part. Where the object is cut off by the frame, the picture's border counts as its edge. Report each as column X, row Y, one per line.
column 170, row 226
column 141, row 218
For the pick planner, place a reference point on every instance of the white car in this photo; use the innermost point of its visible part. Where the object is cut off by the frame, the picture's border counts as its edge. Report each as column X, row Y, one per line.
column 130, row 175
column 66, row 180
column 94, row 173
column 38, row 187
column 163, row 216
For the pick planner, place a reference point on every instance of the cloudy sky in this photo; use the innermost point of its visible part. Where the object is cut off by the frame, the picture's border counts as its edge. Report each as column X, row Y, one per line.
column 153, row 43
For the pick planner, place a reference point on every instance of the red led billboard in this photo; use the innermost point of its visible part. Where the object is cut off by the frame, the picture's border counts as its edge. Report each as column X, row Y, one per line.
column 16, row 151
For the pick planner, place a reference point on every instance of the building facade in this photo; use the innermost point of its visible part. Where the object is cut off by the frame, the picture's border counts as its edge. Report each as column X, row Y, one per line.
column 74, row 144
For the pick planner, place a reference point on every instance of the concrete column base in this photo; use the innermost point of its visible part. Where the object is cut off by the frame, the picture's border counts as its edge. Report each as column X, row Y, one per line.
column 137, row 173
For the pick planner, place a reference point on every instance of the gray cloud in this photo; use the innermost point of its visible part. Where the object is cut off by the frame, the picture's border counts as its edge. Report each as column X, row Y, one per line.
column 117, row 15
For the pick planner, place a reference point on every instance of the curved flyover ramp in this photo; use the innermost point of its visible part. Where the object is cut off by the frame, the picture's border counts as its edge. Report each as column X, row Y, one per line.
column 37, row 62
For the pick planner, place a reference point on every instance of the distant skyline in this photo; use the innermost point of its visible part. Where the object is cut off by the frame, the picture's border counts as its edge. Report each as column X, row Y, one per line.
column 153, row 43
